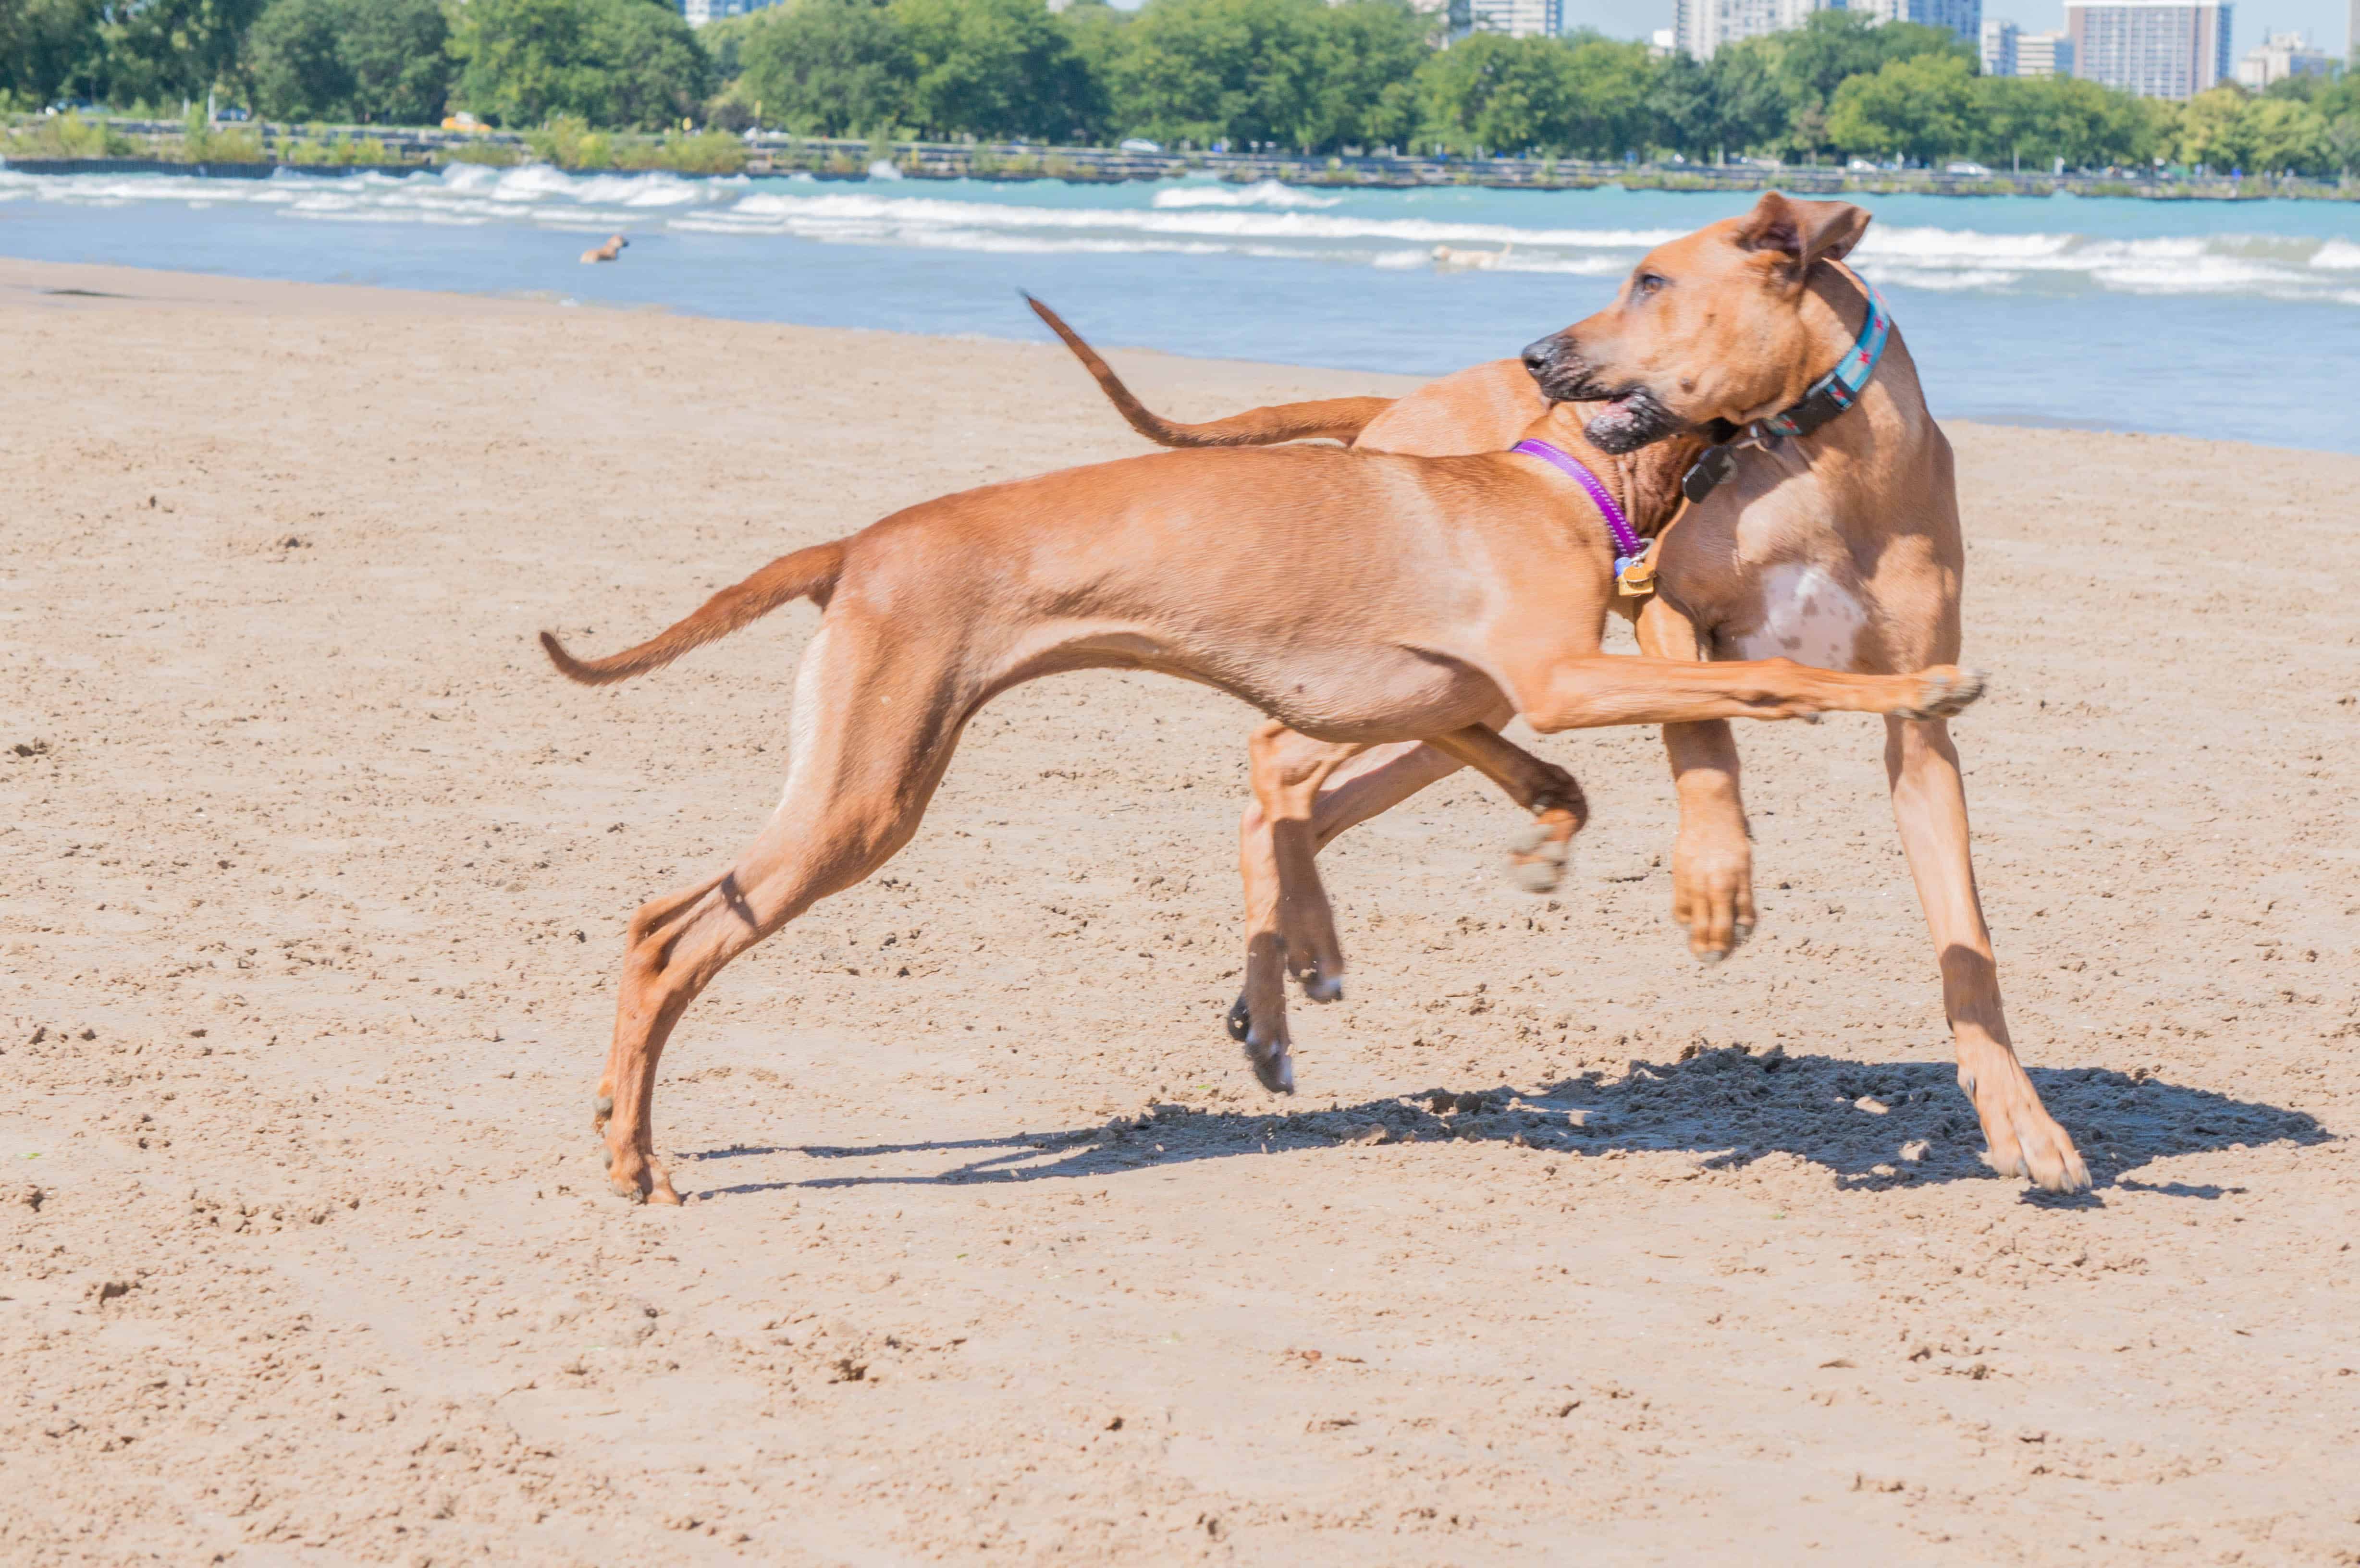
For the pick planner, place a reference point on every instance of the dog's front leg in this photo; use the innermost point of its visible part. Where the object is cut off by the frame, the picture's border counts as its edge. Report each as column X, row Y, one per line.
column 1929, row 803
column 1554, row 797
column 1588, row 690
column 1712, row 857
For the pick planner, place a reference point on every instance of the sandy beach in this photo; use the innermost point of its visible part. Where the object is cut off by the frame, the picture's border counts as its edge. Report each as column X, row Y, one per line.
column 315, row 881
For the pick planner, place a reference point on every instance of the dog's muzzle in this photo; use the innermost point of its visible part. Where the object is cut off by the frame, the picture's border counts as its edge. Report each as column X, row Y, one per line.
column 1629, row 416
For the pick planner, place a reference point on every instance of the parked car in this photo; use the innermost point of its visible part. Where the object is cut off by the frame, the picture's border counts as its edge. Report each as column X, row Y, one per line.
column 1862, row 166
column 1140, row 144
column 1961, row 166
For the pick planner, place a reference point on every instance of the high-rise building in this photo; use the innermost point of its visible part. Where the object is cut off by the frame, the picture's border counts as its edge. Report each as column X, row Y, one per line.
column 2044, row 54
column 1517, row 18
column 699, row 12
column 1703, row 26
column 2157, row 49
column 1963, row 17
column 2279, row 56
column 1999, row 49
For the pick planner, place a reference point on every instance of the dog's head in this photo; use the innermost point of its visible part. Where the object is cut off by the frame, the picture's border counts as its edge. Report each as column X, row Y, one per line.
column 1709, row 326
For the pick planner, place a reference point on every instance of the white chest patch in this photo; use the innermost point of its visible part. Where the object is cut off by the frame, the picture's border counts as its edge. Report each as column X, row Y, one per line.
column 1808, row 616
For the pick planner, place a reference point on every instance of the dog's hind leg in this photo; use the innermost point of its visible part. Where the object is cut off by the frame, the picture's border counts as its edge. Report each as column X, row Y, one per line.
column 1931, row 805
column 856, row 789
column 1290, row 927
column 1353, row 784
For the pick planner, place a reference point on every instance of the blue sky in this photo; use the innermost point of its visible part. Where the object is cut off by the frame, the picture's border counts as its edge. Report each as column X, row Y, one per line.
column 2325, row 20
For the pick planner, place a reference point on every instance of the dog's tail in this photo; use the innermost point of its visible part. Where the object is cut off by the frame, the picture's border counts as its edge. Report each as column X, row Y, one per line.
column 806, row 574
column 1337, row 418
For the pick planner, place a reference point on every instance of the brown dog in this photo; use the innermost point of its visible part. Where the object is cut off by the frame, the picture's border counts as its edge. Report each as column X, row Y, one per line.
column 1840, row 547
column 612, row 249
column 1451, row 589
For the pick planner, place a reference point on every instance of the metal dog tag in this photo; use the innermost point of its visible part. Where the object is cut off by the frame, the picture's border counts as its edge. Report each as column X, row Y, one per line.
column 1707, row 472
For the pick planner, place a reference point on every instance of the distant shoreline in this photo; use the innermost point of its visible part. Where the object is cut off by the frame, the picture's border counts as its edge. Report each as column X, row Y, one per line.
column 327, row 151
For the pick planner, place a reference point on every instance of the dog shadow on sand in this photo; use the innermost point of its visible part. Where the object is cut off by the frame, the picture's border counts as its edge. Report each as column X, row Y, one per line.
column 1874, row 1125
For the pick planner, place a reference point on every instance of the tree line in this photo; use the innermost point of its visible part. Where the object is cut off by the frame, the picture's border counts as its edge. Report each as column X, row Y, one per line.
column 1296, row 75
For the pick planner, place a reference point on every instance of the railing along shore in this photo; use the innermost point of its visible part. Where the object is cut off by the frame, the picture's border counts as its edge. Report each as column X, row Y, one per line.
column 315, row 149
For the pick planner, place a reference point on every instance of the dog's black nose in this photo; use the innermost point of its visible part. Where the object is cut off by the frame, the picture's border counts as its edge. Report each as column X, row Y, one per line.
column 1538, row 353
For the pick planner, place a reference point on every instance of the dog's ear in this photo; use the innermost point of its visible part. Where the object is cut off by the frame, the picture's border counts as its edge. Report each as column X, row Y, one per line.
column 1801, row 232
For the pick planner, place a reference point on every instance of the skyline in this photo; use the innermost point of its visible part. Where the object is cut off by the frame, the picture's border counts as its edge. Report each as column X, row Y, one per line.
column 2325, row 20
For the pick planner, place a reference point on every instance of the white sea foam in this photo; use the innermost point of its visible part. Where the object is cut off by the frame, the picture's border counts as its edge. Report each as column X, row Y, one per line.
column 1373, row 229
column 1264, row 193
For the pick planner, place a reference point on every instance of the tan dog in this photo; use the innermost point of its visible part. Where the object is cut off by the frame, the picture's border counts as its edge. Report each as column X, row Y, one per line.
column 1840, row 547
column 1451, row 589
column 607, row 252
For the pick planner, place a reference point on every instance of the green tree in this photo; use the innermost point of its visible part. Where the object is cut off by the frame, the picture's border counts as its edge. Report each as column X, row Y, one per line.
column 2286, row 135
column 622, row 63
column 1239, row 71
column 378, row 62
column 50, row 49
column 1682, row 108
column 2032, row 120
column 1753, row 108
column 1917, row 108
column 828, row 68
column 165, row 50
column 1812, row 63
column 2213, row 129
column 1610, row 83
column 1367, row 54
column 1494, row 93
column 1098, row 33
column 298, row 64
column 994, row 69
column 399, row 53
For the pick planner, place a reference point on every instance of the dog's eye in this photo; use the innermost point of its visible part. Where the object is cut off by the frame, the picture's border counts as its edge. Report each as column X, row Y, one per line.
column 1647, row 283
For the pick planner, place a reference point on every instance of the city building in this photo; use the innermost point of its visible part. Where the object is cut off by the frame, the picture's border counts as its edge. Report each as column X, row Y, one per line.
column 699, row 12
column 2279, row 56
column 1517, row 18
column 1963, row 17
column 2157, row 49
column 1703, row 26
column 2044, row 54
column 1998, row 45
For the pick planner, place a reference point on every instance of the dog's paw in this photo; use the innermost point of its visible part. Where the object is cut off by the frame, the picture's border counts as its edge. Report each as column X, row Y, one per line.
column 2027, row 1142
column 1537, row 853
column 1944, row 692
column 639, row 1180
column 1320, row 986
column 1273, row 1069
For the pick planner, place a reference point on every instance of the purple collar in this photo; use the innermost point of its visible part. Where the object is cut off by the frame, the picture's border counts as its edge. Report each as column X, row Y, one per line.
column 1627, row 547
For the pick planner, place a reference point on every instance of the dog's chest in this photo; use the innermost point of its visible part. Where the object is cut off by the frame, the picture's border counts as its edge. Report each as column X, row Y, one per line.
column 1807, row 616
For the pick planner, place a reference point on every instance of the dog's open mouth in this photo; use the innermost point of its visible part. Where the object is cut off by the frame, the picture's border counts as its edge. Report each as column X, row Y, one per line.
column 1628, row 421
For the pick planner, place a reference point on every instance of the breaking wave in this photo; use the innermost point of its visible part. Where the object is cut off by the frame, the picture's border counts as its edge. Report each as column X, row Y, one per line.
column 1393, row 231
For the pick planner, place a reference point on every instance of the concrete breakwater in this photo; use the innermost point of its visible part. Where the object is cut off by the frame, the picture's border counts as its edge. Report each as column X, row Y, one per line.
column 823, row 157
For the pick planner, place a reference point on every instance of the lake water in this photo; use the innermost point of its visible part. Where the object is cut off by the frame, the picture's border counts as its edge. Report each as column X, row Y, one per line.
column 2239, row 320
